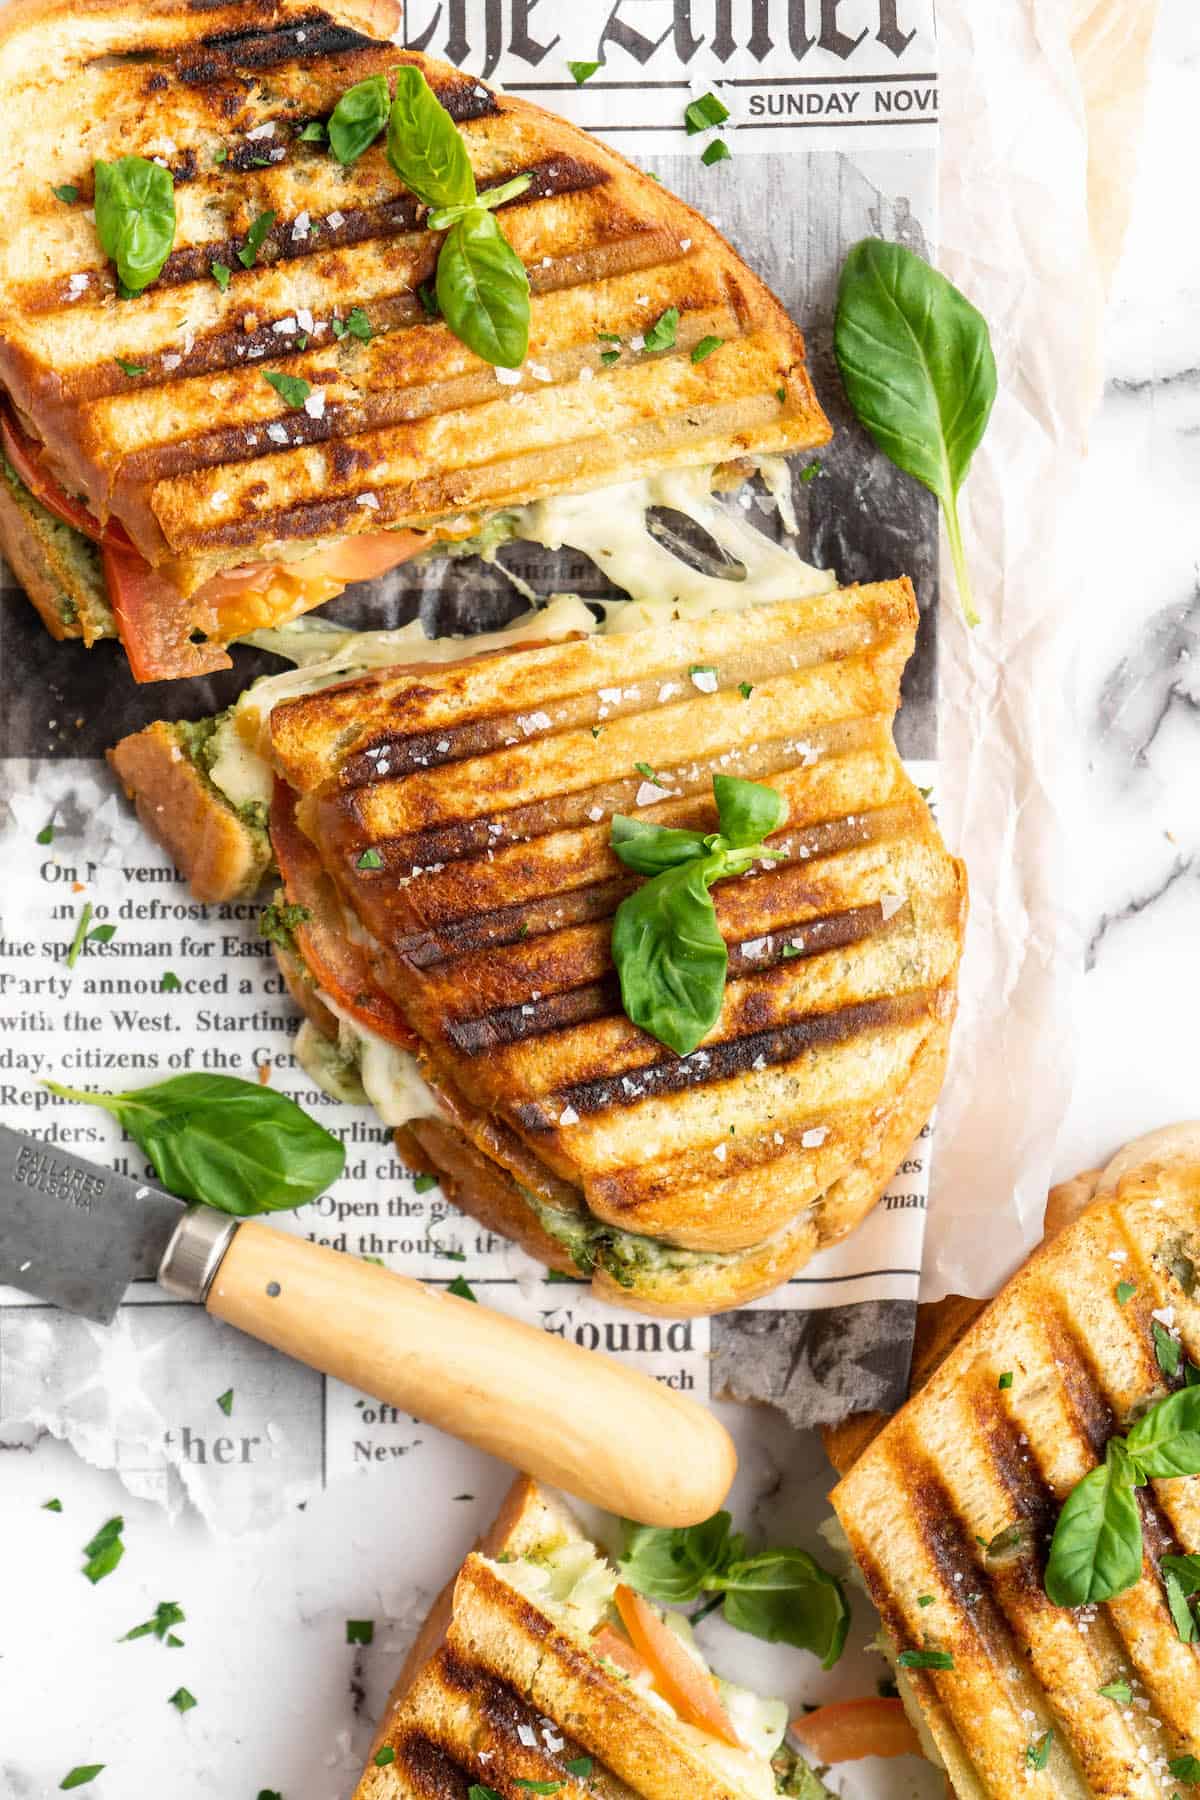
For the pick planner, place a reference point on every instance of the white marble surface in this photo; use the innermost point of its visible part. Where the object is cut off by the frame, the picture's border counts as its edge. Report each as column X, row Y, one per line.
column 283, row 1703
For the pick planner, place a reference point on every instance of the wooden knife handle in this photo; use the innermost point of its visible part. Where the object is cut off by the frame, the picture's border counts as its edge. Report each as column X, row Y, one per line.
column 568, row 1416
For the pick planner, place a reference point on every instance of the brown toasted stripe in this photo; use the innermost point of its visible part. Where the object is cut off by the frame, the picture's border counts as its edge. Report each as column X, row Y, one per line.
column 308, row 38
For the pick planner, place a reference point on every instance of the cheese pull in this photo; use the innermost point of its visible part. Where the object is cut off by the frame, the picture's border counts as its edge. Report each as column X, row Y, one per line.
column 567, row 1416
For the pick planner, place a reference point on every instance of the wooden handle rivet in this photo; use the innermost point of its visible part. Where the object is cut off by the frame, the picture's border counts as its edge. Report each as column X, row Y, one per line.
column 274, row 1289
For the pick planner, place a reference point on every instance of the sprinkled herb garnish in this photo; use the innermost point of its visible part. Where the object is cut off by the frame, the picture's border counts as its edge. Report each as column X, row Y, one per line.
column 51, row 1505
column 129, row 368
column 370, row 859
column 924, row 1599
column 46, row 834
column 360, row 1631
column 1186, row 1769
column 384, row 1756
column 80, row 1776
column 84, row 920
column 583, row 71
column 539, row 1787
column 1037, row 1754
column 104, row 1551
column 255, row 239
column 67, row 193
column 167, row 1614
column 704, row 114
column 1125, row 1292
column 355, row 324
column 423, row 1183
column 661, row 335
column 717, row 151
column 811, row 470
column 781, row 395
column 220, row 274
column 644, row 769
column 182, row 1701
column 925, row 1659
column 1005, row 1380
column 315, row 132
column 292, row 389
column 220, row 153
column 745, row 689
column 427, row 295
column 170, row 983
column 461, row 1288
column 225, row 1401
column 705, row 348
column 1167, row 1350
column 609, row 357
column 1120, row 1691
column 581, row 1766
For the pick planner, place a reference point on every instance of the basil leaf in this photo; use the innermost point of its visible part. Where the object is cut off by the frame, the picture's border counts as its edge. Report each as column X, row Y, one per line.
column 293, row 390
column 1168, row 1351
column 670, row 955
column 1185, row 1769
column 671, row 1565
column 220, row 273
column 649, row 849
column 916, row 360
column 358, row 118
column 581, row 1766
column 1181, row 1612
column 483, row 290
column 445, row 216
column 236, row 1145
column 583, row 71
column 256, row 237
column 1185, row 1569
column 717, row 151
column 703, row 114
column 104, row 1551
column 705, row 348
column 135, row 217
column 748, row 811
column 424, row 145
column 1165, row 1442
column 785, row 1596
column 661, row 335
column 1096, row 1552
column 315, row 132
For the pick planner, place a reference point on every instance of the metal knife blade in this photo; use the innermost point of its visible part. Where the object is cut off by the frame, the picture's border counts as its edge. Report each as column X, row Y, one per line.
column 75, row 1233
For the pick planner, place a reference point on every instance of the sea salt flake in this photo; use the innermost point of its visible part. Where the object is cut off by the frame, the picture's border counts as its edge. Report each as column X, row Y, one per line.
column 508, row 377
column 335, row 220
column 610, row 696
column 172, row 361
column 443, row 744
column 277, row 434
column 595, row 814
column 76, row 285
column 528, row 1736
column 369, row 500
column 568, row 1116
column 720, row 1152
column 304, row 318
column 314, row 406
column 261, row 131
column 285, row 326
column 685, row 244
column 638, row 342
column 890, row 905
column 218, row 497
column 300, row 226
column 755, row 947
column 586, row 374
column 668, row 690
column 812, row 1140
column 540, row 372
column 650, row 793
column 705, row 680
column 1165, row 1316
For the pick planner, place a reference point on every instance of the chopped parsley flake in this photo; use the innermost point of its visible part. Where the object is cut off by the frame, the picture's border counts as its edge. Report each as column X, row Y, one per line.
column 225, row 1401
column 925, row 1659
column 745, row 689
column 182, row 1701
column 1037, row 1754
column 781, row 395
column 166, row 1614
column 1005, row 1380
column 51, row 1505
column 360, row 1631
column 370, row 859
column 219, row 155
column 314, row 132
column 68, row 193
column 647, row 772
column 220, row 274
column 461, row 1288
column 811, row 470
column 717, row 151
column 1125, row 1292
column 423, row 1183
column 427, row 295
column 170, row 983
column 104, row 1551
column 292, row 389
column 76, row 945
column 703, row 114
column 355, row 324
column 80, row 1776
column 583, row 71
column 581, row 1766
column 255, row 238
column 924, row 1599
column 1167, row 1349
column 1120, row 1691
column 705, row 348
column 661, row 335
column 129, row 368
column 609, row 357
column 46, row 834
column 384, row 1756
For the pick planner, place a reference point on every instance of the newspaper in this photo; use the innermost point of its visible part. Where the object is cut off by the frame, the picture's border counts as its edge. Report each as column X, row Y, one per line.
column 833, row 129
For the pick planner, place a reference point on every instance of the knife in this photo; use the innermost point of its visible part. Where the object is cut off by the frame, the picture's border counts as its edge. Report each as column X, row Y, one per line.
column 76, row 1234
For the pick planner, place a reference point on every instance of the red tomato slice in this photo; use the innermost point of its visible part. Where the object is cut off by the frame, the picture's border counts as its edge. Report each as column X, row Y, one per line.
column 852, row 1728
column 610, row 1643
column 27, row 459
column 678, row 1678
column 339, row 965
column 364, row 555
column 154, row 619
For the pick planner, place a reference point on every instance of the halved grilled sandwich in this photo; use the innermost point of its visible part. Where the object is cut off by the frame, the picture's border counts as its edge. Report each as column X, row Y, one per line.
column 146, row 423
column 950, row 1508
column 442, row 833
column 522, row 1680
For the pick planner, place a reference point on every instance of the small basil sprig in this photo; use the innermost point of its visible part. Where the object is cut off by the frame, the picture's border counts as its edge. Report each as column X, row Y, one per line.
column 1096, row 1552
column 236, row 1145
column 668, row 949
column 482, row 287
column 783, row 1596
column 916, row 360
column 135, row 218
column 358, row 118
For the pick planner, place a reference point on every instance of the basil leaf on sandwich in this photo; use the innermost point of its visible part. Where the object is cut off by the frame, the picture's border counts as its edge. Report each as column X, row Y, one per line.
column 424, row 145
column 135, row 218
column 358, row 118
column 234, row 1144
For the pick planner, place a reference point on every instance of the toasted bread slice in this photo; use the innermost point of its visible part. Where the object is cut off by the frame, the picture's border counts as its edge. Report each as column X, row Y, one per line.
column 464, row 812
column 496, row 1692
column 57, row 566
column 194, row 451
column 967, row 1460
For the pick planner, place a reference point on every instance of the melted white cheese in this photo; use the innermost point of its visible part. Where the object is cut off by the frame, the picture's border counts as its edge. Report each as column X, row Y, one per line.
column 610, row 527
column 390, row 1078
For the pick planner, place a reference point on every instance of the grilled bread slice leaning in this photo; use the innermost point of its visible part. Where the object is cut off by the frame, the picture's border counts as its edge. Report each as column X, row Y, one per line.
column 155, row 409
column 506, row 1685
column 442, row 838
column 950, row 1508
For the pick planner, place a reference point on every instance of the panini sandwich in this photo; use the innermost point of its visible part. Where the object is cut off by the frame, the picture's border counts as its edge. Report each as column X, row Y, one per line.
column 1029, row 1524
column 526, row 1678
column 218, row 434
column 448, row 888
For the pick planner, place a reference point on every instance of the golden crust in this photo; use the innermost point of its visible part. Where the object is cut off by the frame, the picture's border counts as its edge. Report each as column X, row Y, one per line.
column 223, row 857
column 965, row 1459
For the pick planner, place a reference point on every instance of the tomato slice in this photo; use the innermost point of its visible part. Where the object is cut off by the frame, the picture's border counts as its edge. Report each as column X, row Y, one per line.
column 610, row 1643
column 28, row 459
column 677, row 1676
column 850, row 1729
column 339, row 965
column 154, row 619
